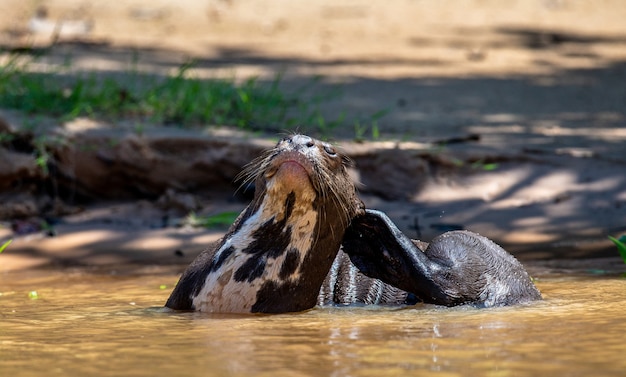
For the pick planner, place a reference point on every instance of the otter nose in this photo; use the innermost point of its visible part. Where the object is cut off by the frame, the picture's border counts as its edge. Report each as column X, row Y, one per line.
column 302, row 141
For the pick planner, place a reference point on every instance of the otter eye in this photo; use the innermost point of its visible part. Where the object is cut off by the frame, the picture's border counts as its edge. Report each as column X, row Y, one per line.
column 330, row 150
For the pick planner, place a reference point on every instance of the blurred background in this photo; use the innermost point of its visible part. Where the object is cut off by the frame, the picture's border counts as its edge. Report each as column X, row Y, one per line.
column 506, row 118
column 430, row 67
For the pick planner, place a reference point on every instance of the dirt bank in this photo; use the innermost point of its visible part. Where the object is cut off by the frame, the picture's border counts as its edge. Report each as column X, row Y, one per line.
column 504, row 119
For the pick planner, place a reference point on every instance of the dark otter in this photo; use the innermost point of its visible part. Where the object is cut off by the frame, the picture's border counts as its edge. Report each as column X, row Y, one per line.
column 457, row 267
column 283, row 253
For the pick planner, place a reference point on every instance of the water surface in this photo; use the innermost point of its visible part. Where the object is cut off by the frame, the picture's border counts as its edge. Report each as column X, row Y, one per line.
column 110, row 323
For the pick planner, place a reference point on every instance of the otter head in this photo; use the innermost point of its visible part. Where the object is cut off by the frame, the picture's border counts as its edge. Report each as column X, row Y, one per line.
column 309, row 172
column 277, row 254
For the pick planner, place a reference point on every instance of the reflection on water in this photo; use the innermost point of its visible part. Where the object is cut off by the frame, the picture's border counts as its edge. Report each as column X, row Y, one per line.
column 97, row 324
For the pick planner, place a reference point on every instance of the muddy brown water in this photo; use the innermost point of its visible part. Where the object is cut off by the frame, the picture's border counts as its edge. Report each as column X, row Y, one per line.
column 82, row 322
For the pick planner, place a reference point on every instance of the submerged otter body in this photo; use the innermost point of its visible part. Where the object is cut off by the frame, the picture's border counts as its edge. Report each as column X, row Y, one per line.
column 283, row 254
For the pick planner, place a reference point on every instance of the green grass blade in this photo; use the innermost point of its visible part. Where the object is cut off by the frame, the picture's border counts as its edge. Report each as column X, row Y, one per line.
column 220, row 219
column 621, row 246
column 4, row 245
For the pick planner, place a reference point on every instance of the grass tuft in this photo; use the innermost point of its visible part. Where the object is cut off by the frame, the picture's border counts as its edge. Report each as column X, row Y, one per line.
column 621, row 246
column 180, row 99
column 220, row 220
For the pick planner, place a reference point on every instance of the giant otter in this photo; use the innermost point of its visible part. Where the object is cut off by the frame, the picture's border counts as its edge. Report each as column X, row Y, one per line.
column 282, row 254
column 457, row 267
column 275, row 256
